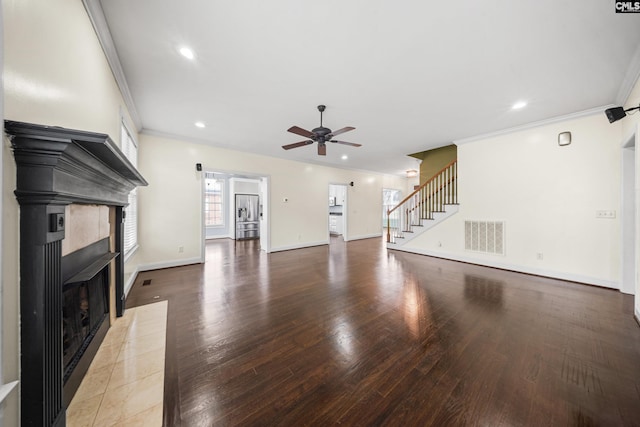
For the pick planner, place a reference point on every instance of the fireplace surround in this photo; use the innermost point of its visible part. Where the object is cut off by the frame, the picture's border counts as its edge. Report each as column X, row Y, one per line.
column 57, row 167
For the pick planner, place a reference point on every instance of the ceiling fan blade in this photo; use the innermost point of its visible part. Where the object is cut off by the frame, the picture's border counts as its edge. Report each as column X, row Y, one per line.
column 343, row 130
column 322, row 149
column 296, row 145
column 353, row 144
column 302, row 132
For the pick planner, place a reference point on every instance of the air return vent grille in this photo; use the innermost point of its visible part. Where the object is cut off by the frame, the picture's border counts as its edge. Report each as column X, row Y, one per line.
column 484, row 236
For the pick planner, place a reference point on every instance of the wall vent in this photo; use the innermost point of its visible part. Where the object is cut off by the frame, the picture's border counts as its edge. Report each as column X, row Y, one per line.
column 484, row 236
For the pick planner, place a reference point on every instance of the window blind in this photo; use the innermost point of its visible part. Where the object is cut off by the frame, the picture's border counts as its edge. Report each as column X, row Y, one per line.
column 130, row 150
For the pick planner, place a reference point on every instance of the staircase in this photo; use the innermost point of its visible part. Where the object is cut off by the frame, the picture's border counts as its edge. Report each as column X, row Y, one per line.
column 431, row 203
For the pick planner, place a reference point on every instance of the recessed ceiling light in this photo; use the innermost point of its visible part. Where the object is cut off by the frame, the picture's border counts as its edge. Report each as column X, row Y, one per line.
column 518, row 105
column 344, row 157
column 186, row 52
column 199, row 125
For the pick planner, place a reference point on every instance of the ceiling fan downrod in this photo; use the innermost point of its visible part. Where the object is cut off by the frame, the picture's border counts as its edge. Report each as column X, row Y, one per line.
column 321, row 109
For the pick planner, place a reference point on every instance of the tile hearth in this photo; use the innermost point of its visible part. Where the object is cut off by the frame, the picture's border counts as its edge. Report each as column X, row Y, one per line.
column 125, row 383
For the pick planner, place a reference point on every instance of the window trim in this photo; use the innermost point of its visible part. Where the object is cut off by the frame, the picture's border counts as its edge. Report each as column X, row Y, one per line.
column 222, row 203
column 125, row 130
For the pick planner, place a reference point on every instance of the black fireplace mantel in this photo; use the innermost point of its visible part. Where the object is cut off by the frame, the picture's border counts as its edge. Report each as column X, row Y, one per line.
column 57, row 167
column 62, row 166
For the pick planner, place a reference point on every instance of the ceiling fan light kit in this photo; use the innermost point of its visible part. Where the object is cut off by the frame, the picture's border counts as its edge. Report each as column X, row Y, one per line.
column 321, row 135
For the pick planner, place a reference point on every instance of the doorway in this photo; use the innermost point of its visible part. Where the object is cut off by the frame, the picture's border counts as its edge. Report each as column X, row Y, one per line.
column 338, row 211
column 219, row 212
column 629, row 215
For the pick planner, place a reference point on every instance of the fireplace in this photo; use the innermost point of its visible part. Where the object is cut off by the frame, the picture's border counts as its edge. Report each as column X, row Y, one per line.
column 68, row 294
column 84, row 309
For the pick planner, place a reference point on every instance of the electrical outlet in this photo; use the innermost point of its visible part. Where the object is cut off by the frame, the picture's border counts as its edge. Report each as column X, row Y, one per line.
column 539, row 256
column 180, row 249
column 606, row 214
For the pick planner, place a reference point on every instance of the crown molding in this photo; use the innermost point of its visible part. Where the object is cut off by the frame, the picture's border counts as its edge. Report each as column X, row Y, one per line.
column 630, row 78
column 567, row 117
column 99, row 22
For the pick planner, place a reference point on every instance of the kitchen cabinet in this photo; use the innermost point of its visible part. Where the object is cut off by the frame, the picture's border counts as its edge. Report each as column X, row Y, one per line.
column 338, row 193
column 336, row 224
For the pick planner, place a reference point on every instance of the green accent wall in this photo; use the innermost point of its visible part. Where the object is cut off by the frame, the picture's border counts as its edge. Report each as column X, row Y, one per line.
column 434, row 160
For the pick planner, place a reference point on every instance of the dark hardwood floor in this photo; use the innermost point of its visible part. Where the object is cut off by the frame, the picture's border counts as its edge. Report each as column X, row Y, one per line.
column 351, row 334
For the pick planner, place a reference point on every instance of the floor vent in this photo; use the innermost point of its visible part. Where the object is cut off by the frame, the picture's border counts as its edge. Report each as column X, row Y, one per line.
column 146, row 282
column 484, row 236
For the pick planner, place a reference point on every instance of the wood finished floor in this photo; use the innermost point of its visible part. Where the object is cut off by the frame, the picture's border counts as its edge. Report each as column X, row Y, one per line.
column 351, row 334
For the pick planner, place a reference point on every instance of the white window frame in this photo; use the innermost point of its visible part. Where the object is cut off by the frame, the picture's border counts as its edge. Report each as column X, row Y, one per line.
column 385, row 206
column 211, row 175
column 129, row 147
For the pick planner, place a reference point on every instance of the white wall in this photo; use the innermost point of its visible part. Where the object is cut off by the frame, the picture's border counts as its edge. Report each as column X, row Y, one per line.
column 547, row 195
column 54, row 73
column 246, row 186
column 631, row 125
column 299, row 222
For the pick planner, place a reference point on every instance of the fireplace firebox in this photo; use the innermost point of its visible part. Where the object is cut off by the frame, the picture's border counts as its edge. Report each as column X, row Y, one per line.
column 83, row 311
column 63, row 299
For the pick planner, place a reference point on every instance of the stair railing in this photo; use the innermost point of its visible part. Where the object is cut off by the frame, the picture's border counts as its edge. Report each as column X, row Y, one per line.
column 430, row 197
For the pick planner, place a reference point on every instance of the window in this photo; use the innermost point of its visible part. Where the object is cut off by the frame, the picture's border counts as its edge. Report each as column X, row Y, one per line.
column 213, row 200
column 390, row 199
column 130, row 150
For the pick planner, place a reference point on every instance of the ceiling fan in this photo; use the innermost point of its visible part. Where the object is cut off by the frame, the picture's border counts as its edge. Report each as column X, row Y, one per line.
column 321, row 135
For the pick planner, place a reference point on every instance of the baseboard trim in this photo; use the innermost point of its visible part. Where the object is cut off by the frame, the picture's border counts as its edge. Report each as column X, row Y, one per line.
column 169, row 264
column 129, row 284
column 157, row 266
column 517, row 268
column 300, row 246
column 362, row 237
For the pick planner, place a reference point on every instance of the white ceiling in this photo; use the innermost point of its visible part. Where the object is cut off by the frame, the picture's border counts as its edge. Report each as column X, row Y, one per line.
column 409, row 75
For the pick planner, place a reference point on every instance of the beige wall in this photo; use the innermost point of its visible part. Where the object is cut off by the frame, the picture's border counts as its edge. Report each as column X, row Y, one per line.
column 169, row 166
column 55, row 70
column 631, row 125
column 547, row 195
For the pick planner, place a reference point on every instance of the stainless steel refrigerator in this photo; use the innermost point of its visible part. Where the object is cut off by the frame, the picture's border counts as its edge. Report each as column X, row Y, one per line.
column 247, row 216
